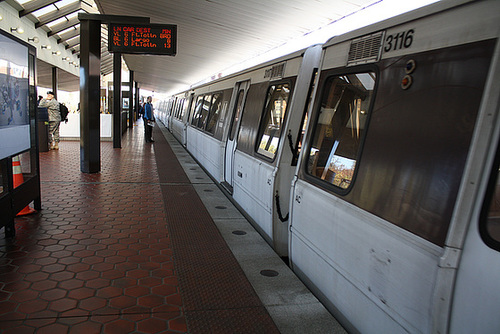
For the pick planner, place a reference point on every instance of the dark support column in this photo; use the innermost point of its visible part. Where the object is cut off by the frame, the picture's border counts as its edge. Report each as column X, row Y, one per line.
column 117, row 100
column 90, row 68
column 54, row 81
column 90, row 90
column 131, row 101
column 137, row 98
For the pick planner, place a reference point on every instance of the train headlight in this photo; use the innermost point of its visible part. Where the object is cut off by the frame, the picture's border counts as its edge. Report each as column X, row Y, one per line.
column 406, row 81
column 410, row 66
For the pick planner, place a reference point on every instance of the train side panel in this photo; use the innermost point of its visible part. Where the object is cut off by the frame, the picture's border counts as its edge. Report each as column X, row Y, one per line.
column 377, row 277
column 253, row 190
column 207, row 150
column 178, row 129
column 204, row 134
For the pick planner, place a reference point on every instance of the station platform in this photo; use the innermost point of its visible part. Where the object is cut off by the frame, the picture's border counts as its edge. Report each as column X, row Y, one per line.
column 148, row 245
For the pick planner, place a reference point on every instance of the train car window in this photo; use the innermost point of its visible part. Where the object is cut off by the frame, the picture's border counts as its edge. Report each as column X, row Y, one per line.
column 214, row 112
column 489, row 226
column 273, row 118
column 237, row 113
column 339, row 128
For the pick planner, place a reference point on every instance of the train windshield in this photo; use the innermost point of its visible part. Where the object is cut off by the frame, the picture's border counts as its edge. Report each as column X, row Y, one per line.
column 339, row 128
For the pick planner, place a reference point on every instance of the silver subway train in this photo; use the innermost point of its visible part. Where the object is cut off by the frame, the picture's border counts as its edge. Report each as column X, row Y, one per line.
column 371, row 162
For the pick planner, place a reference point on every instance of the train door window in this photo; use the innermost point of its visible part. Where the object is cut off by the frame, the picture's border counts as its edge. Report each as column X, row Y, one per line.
column 183, row 109
column 197, row 111
column 300, row 139
column 305, row 119
column 170, row 107
column 237, row 113
column 205, row 107
column 214, row 113
column 177, row 107
column 490, row 218
column 339, row 128
column 273, row 118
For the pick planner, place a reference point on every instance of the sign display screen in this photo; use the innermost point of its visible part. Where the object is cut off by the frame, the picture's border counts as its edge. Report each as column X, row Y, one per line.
column 159, row 39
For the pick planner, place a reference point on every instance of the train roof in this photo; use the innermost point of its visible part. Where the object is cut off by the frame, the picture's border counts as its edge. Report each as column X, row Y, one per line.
column 400, row 19
column 283, row 58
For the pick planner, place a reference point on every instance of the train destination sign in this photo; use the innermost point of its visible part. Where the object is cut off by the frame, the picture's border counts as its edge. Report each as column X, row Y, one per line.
column 159, row 39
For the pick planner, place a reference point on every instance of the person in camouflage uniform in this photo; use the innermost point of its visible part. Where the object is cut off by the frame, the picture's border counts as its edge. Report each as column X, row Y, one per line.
column 54, row 119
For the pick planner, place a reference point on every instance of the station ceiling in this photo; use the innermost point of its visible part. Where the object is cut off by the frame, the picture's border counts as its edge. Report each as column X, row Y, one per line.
column 215, row 34
column 212, row 35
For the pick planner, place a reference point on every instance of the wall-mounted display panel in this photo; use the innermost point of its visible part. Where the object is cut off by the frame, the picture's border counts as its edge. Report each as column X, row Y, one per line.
column 14, row 97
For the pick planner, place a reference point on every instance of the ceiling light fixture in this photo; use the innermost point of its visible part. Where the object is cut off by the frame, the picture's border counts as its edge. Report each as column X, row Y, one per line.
column 18, row 30
column 48, row 47
column 34, row 39
column 66, row 58
column 57, row 53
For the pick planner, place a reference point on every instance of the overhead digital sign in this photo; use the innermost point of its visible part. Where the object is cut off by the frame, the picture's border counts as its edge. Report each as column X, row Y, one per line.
column 158, row 39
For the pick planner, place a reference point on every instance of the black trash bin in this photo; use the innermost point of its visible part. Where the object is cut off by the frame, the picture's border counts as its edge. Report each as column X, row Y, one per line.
column 43, row 129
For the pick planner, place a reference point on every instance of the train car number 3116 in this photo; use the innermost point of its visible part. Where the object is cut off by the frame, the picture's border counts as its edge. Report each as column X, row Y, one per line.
column 399, row 41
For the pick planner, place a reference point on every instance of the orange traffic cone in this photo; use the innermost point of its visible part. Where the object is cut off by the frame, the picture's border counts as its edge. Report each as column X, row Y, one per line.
column 17, row 176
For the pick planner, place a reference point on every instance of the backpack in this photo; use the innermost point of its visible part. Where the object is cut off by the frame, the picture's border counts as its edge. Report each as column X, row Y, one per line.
column 64, row 112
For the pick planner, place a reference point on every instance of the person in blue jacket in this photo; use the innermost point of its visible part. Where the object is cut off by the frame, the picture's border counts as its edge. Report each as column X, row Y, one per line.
column 149, row 119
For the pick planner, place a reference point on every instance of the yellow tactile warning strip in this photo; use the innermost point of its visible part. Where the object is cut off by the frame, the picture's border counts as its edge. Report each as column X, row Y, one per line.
column 217, row 296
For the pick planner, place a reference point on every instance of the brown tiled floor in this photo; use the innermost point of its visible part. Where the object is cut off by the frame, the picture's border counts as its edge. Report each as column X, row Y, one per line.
column 101, row 256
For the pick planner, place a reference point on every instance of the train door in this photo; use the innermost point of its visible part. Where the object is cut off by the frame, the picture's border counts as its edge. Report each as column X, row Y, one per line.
column 241, row 90
column 476, row 295
column 185, row 117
